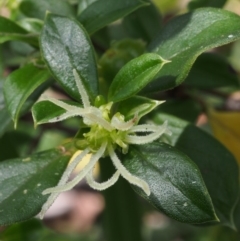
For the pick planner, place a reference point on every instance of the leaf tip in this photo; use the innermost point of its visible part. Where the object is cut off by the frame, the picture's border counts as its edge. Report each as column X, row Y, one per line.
column 164, row 61
column 15, row 123
column 35, row 125
column 216, row 218
column 47, row 14
column 159, row 102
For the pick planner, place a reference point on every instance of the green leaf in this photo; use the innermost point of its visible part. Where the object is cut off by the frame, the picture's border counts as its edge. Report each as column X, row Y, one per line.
column 211, row 71
column 32, row 25
column 11, row 31
column 135, row 75
column 217, row 165
column 83, row 4
column 5, row 120
column 175, row 182
column 102, row 12
column 38, row 9
column 117, row 56
column 206, row 3
column 66, row 46
column 27, row 231
column 34, row 230
column 185, row 37
column 14, row 144
column 19, row 85
column 45, row 110
column 144, row 23
column 137, row 105
column 23, row 180
column 186, row 109
column 51, row 138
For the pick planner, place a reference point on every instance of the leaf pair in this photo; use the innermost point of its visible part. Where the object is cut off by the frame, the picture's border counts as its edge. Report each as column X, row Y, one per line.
column 66, row 46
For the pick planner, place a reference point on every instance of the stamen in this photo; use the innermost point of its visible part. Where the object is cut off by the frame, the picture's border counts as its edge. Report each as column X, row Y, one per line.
column 126, row 174
column 81, row 89
column 62, row 181
column 81, row 175
column 104, row 185
column 149, row 138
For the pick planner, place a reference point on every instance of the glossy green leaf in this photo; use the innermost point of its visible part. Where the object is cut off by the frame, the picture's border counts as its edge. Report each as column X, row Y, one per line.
column 38, row 9
column 83, row 4
column 45, row 110
column 22, row 181
column 212, row 71
column 185, row 37
column 176, row 184
column 135, row 75
column 11, row 31
column 120, row 53
column 137, row 105
column 143, row 23
column 102, row 12
column 217, row 165
column 186, row 109
column 51, row 138
column 193, row 4
column 32, row 25
column 66, row 46
column 20, row 85
column 14, row 144
column 5, row 120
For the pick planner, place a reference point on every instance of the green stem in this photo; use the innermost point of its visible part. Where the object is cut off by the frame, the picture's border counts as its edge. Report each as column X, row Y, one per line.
column 122, row 216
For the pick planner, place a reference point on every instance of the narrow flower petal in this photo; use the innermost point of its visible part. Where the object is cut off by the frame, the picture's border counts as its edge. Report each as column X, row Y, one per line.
column 104, row 185
column 139, row 140
column 81, row 89
column 144, row 128
column 126, row 174
column 61, row 103
column 95, row 157
column 62, row 181
column 64, row 116
column 122, row 125
column 86, row 113
column 95, row 118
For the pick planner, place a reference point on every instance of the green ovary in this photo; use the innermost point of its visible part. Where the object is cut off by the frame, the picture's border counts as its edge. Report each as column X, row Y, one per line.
column 98, row 135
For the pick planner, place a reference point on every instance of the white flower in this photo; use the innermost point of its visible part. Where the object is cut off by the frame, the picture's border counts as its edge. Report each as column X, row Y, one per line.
column 105, row 135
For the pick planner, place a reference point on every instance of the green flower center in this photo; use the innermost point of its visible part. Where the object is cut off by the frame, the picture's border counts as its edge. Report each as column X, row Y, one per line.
column 98, row 135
